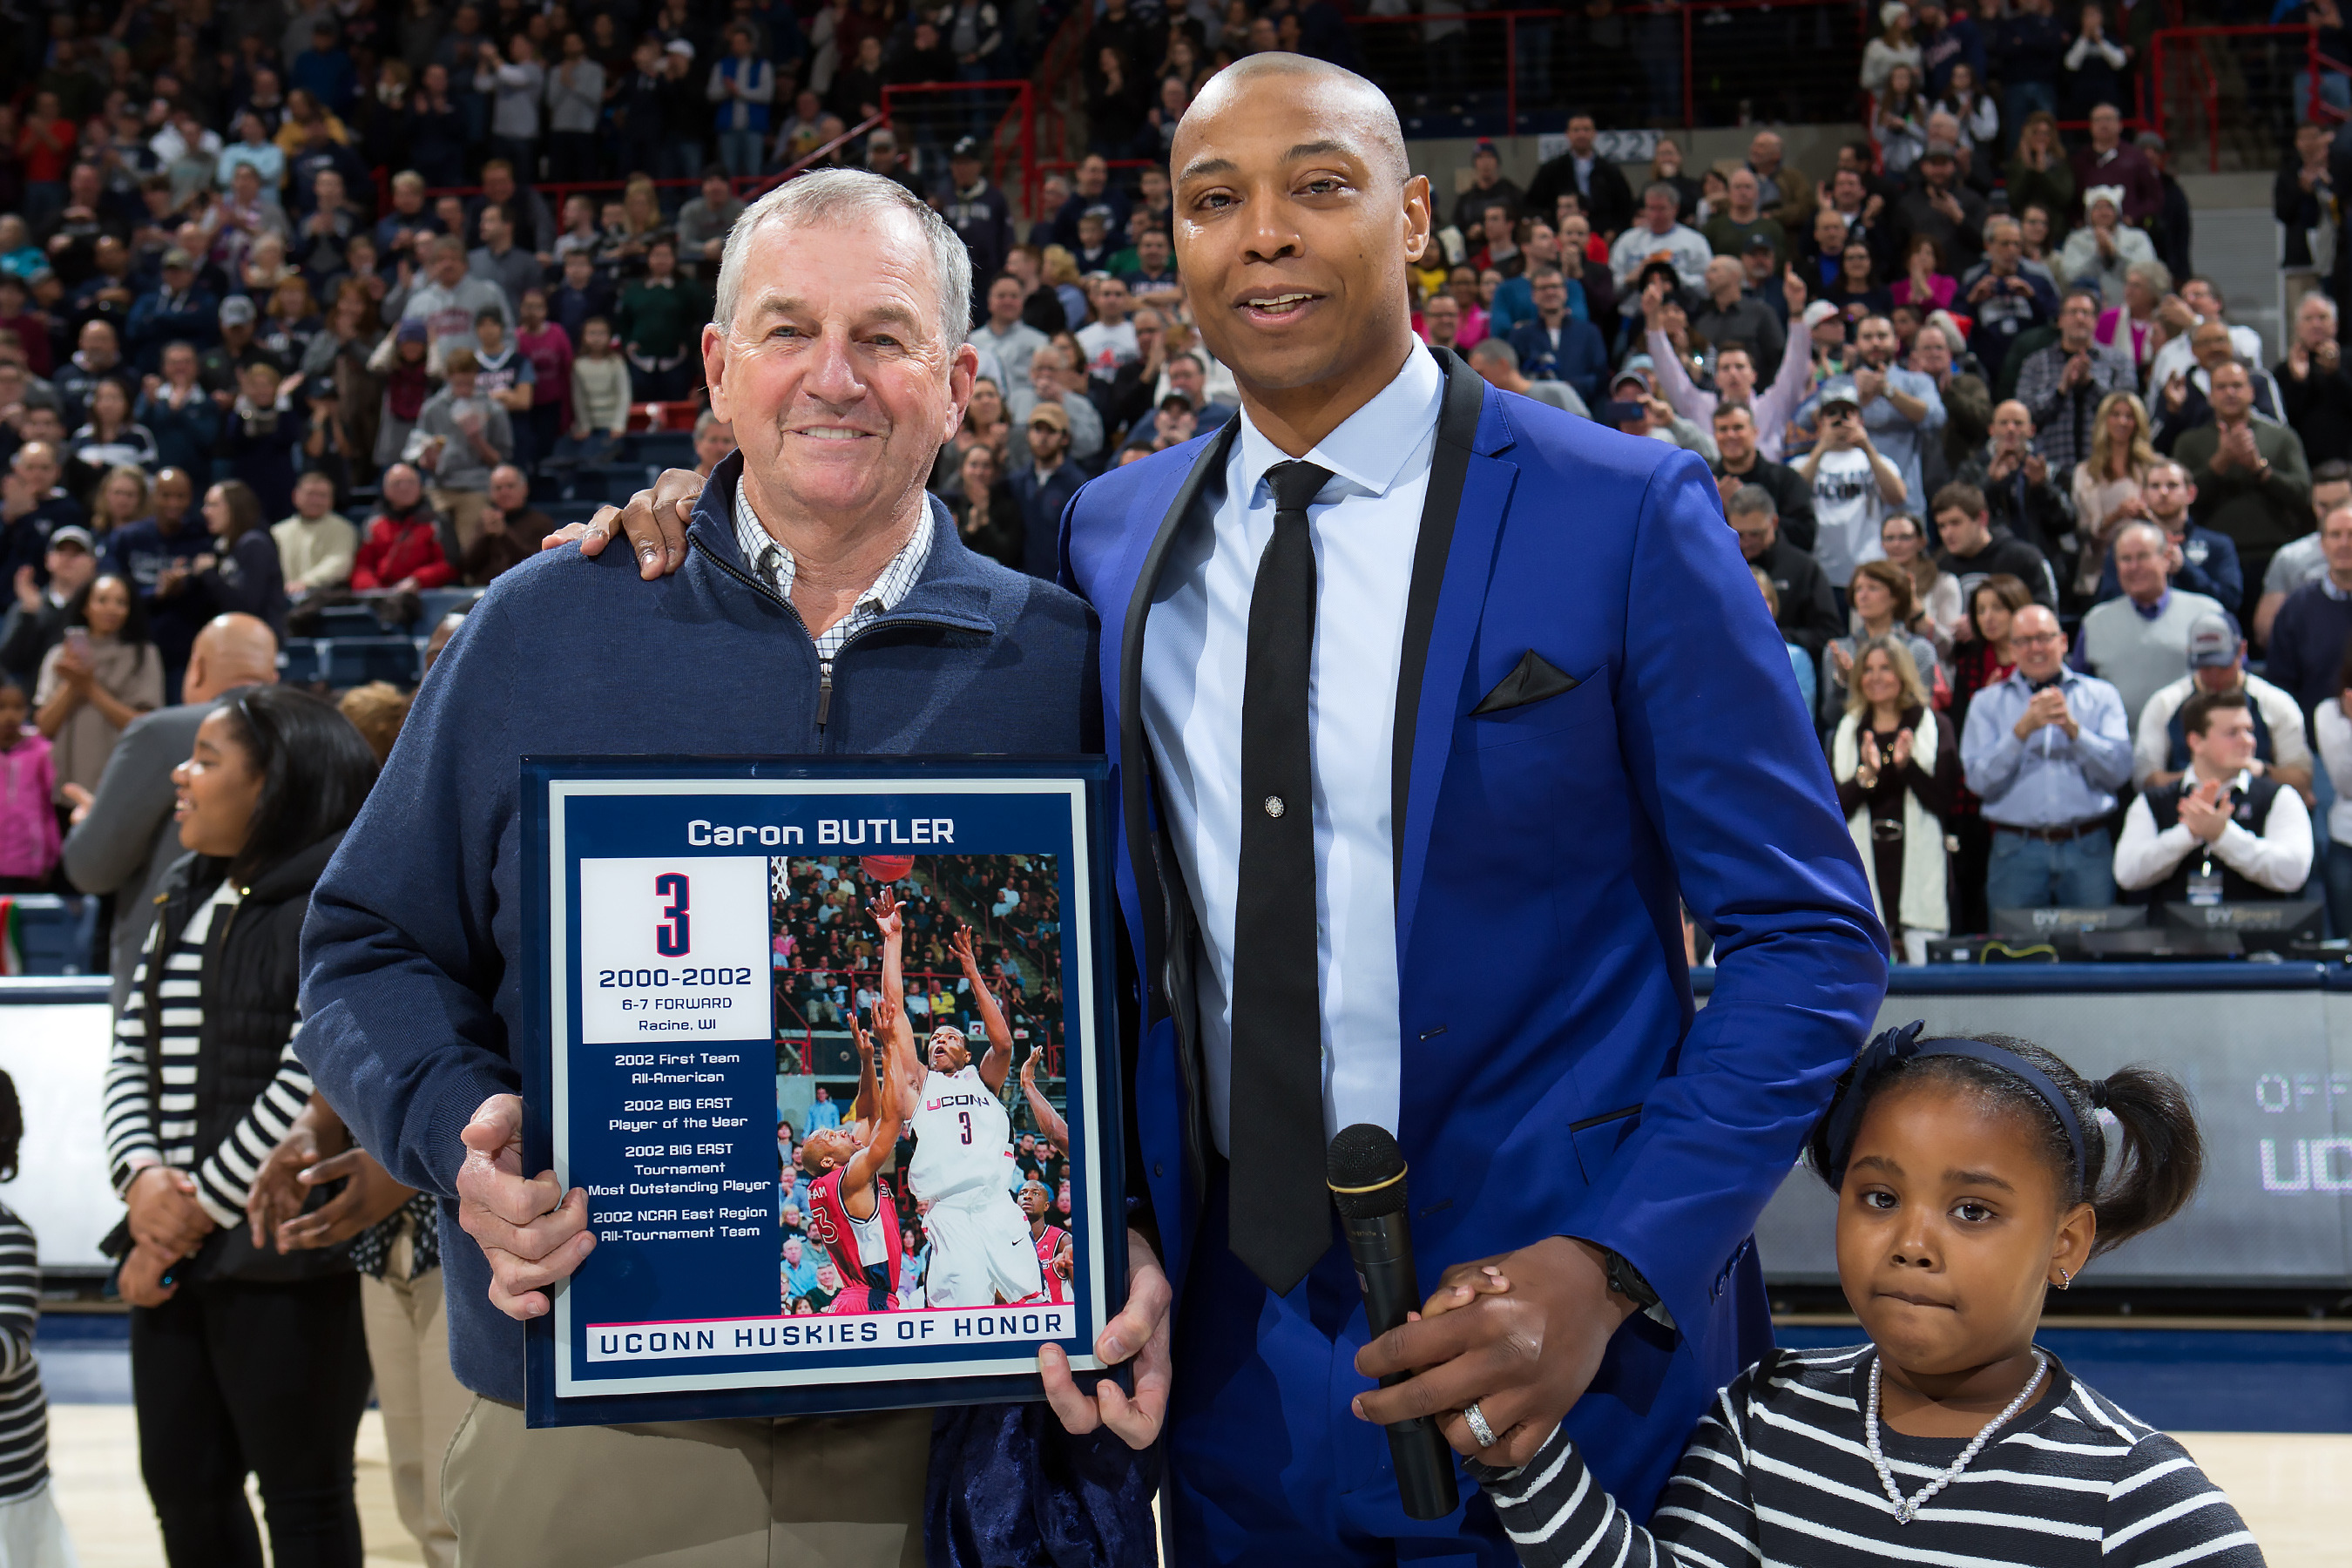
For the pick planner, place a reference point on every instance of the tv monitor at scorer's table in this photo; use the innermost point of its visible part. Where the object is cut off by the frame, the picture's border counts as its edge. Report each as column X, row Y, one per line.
column 2260, row 925
column 2060, row 923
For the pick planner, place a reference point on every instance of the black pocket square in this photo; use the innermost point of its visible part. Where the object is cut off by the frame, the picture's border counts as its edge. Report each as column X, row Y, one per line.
column 1532, row 679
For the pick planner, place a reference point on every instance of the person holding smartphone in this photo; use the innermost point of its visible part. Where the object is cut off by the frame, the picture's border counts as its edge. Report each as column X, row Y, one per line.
column 105, row 673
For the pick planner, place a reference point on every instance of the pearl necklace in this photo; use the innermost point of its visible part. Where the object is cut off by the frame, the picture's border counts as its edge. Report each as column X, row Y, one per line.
column 1905, row 1511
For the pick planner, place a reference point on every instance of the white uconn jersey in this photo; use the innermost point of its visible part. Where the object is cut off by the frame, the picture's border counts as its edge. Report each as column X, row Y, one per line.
column 962, row 1137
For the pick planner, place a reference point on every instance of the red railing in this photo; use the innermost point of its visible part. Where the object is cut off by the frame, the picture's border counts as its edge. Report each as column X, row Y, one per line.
column 1021, row 116
column 1061, row 71
column 2186, row 47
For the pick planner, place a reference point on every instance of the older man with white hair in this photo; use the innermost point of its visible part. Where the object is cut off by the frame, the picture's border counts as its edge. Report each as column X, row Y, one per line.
column 826, row 605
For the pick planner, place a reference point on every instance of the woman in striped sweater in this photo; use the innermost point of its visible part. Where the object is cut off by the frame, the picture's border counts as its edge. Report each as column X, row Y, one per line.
column 242, row 1359
column 32, row 1535
column 1971, row 1176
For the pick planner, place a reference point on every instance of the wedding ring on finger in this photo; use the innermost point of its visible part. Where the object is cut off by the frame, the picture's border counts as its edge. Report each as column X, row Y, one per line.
column 1480, row 1433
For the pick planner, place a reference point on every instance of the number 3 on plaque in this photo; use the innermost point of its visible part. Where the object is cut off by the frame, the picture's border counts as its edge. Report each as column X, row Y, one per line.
column 670, row 937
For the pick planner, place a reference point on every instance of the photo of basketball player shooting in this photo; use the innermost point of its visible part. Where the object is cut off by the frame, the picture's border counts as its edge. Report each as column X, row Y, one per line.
column 982, row 1253
column 850, row 1207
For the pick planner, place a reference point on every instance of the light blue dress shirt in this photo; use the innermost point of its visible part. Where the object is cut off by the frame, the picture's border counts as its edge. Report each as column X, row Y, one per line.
column 1364, row 522
column 1899, row 438
column 2047, row 781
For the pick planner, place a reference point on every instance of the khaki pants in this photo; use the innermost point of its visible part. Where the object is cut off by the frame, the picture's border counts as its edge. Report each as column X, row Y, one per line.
column 464, row 509
column 843, row 1492
column 421, row 1399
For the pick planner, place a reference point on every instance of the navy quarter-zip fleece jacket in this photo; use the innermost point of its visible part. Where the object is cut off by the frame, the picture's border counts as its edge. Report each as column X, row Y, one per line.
column 412, row 957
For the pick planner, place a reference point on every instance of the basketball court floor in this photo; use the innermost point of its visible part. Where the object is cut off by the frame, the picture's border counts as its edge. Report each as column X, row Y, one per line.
column 2266, row 1409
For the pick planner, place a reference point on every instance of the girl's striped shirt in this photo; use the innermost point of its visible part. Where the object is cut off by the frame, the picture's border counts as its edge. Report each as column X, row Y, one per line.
column 1778, row 1473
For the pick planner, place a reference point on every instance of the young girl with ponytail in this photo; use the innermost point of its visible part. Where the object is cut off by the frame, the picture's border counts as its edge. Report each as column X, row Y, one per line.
column 1972, row 1175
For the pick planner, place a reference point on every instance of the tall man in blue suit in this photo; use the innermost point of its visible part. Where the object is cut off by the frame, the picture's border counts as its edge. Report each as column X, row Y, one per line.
column 1546, row 631
column 1428, row 705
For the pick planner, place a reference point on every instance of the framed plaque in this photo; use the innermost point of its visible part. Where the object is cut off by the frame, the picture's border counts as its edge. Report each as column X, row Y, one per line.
column 828, row 1044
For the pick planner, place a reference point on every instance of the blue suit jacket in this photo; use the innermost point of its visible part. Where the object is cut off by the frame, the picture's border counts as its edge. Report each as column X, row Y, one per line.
column 1557, row 1079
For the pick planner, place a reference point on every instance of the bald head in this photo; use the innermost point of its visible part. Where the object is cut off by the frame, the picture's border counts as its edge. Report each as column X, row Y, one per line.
column 1350, row 107
column 1295, row 216
column 231, row 651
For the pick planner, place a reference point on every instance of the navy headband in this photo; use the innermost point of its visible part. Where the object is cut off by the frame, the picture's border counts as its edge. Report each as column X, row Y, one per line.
column 1903, row 1044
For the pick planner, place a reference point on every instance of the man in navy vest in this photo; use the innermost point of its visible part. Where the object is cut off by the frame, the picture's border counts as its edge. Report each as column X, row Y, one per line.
column 2221, row 834
column 2217, row 662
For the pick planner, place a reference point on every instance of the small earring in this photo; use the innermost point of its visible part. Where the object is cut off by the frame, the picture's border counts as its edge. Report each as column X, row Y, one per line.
column 2066, row 1281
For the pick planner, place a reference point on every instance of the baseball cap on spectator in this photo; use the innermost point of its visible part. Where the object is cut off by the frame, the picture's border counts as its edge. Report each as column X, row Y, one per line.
column 237, row 310
column 1817, row 313
column 1760, row 241
column 178, row 259
column 1630, row 373
column 1485, row 145
column 411, row 331
column 2149, row 141
column 967, row 147
column 1840, row 392
column 681, row 47
column 1050, row 414
column 2212, row 639
column 74, row 534
column 1940, row 148
column 1175, row 402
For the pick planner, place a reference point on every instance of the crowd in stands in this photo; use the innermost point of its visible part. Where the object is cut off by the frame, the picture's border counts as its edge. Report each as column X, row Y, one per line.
column 300, row 312
column 827, row 961
column 289, row 323
column 2023, row 500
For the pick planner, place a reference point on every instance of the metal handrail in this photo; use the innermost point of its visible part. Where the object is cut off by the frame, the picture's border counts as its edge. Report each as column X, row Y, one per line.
column 2205, row 89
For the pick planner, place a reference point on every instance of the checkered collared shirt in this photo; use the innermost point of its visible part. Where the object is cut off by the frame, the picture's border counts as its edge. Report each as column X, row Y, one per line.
column 773, row 562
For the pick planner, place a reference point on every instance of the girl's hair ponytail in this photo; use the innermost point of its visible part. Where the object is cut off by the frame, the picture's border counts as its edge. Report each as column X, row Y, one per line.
column 2140, row 1164
column 2159, row 1159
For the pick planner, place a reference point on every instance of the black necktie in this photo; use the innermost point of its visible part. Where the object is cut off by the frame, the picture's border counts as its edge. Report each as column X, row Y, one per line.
column 1281, row 1215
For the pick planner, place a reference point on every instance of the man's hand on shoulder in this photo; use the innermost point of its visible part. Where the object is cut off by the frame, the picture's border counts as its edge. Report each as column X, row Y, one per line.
column 1524, row 1357
column 530, row 1230
column 655, row 521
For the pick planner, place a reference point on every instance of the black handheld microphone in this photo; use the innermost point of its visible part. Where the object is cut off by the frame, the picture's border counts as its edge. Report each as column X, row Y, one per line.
column 1367, row 1177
